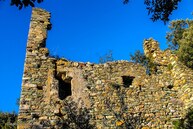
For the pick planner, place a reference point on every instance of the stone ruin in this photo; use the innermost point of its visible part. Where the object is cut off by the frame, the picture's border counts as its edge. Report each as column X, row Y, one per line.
column 116, row 94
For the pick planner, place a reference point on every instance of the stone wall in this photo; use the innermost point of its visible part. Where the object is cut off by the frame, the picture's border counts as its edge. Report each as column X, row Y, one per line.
column 116, row 94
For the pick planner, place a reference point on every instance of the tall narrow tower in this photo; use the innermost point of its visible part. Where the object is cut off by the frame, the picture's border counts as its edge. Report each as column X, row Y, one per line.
column 35, row 73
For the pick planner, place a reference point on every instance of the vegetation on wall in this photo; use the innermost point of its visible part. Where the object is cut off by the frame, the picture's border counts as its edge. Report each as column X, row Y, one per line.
column 179, row 40
column 185, row 123
column 77, row 118
column 108, row 57
column 124, row 120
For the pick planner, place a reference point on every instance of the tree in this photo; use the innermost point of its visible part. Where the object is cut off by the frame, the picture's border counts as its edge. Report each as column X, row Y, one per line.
column 177, row 29
column 108, row 57
column 180, row 40
column 158, row 9
column 24, row 3
column 140, row 58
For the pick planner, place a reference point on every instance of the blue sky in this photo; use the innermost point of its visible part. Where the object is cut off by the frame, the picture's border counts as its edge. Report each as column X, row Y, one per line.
column 83, row 30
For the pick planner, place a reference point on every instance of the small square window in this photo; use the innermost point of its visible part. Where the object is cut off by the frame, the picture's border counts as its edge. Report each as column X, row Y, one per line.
column 127, row 80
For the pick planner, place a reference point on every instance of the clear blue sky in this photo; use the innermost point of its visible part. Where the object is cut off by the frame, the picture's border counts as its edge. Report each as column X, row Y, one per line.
column 83, row 30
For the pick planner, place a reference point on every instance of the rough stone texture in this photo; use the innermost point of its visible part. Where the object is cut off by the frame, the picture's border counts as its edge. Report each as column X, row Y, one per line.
column 115, row 92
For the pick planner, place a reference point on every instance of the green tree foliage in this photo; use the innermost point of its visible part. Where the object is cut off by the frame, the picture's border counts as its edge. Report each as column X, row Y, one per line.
column 8, row 120
column 177, row 28
column 140, row 58
column 186, row 123
column 24, row 3
column 160, row 9
column 180, row 39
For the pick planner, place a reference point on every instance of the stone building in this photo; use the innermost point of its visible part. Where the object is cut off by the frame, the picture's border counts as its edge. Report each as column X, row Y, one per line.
column 105, row 96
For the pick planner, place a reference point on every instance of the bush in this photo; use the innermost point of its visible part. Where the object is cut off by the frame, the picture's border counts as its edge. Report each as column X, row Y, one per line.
column 185, row 123
column 77, row 118
column 8, row 120
column 108, row 57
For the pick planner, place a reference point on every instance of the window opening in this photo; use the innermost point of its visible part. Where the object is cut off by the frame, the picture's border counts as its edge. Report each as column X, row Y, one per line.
column 64, row 88
column 170, row 86
column 127, row 81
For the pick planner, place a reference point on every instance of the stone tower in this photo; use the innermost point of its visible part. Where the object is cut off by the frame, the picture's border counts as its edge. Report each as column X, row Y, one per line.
column 36, row 65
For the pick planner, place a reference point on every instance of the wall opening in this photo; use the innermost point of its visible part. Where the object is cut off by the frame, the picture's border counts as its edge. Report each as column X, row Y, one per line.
column 35, row 116
column 40, row 88
column 64, row 88
column 127, row 81
column 170, row 86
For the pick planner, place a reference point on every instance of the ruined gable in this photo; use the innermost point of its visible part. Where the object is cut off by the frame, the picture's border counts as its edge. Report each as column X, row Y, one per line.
column 117, row 94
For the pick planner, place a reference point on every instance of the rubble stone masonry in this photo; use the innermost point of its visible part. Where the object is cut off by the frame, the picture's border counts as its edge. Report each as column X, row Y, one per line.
column 115, row 93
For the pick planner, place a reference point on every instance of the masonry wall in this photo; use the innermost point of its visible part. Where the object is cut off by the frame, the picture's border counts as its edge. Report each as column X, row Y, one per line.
column 116, row 94
column 35, row 70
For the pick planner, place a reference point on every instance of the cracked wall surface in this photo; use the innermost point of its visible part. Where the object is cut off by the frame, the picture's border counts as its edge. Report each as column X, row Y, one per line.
column 116, row 94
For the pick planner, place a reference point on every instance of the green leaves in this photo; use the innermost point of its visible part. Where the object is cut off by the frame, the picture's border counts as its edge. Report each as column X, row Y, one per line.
column 8, row 120
column 140, row 58
column 180, row 40
column 177, row 28
column 185, row 123
column 160, row 9
column 24, row 3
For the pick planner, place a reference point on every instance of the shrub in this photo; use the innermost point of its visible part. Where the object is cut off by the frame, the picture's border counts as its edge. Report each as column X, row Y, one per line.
column 186, row 122
column 8, row 120
column 77, row 118
column 108, row 57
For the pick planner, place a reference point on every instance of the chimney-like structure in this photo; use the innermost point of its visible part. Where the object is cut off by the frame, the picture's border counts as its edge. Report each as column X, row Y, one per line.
column 35, row 75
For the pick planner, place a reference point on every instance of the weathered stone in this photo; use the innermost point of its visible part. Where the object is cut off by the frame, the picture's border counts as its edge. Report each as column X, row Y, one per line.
column 112, row 92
